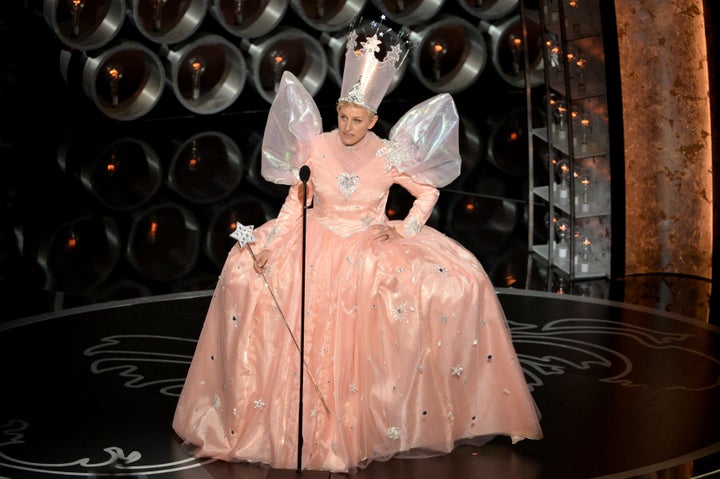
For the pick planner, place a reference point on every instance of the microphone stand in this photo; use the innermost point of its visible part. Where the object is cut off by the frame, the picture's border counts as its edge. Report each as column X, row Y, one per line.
column 304, row 177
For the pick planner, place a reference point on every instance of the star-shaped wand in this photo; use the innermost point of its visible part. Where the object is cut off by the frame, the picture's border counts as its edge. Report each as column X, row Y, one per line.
column 244, row 236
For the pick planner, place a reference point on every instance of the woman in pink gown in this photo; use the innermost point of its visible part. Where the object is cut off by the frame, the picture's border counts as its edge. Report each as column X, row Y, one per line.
column 407, row 350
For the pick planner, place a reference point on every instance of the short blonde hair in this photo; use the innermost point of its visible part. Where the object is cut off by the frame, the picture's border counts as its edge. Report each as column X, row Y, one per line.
column 344, row 103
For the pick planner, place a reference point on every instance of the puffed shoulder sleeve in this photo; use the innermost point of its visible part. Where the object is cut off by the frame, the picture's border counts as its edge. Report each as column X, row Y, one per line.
column 424, row 143
column 293, row 121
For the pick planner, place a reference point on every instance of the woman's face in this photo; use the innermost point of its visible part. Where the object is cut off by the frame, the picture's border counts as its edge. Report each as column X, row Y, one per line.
column 354, row 123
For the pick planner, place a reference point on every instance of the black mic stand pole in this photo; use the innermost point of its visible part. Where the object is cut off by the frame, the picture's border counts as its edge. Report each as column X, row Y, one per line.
column 304, row 177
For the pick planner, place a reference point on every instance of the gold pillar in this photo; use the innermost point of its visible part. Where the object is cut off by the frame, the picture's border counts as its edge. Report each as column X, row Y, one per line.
column 668, row 154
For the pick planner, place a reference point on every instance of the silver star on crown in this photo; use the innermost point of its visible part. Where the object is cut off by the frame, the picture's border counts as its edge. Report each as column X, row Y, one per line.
column 372, row 44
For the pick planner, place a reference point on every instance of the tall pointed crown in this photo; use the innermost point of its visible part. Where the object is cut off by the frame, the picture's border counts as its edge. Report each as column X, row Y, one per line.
column 365, row 78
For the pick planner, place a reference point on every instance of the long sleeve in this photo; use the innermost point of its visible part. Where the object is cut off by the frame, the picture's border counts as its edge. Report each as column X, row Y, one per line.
column 426, row 197
column 292, row 124
column 290, row 214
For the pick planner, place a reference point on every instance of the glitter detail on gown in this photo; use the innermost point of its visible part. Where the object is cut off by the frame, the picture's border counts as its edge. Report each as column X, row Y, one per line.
column 405, row 338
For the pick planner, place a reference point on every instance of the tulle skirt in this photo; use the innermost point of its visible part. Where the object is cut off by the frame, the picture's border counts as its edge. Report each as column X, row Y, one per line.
column 407, row 354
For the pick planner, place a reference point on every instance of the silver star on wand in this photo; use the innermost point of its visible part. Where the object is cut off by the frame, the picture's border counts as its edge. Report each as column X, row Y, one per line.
column 243, row 234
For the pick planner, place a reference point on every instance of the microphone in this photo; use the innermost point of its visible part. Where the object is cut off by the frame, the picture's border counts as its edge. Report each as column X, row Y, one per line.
column 304, row 176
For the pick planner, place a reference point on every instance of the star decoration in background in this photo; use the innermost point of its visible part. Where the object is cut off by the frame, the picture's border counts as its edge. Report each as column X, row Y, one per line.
column 243, row 234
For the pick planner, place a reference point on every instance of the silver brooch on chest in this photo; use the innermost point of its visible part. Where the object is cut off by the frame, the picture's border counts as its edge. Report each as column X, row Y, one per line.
column 348, row 183
column 396, row 153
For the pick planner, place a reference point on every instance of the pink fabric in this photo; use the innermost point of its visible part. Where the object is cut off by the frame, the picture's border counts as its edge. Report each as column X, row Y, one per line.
column 404, row 338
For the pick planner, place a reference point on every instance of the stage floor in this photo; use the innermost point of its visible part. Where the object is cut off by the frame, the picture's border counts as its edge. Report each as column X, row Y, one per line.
column 624, row 392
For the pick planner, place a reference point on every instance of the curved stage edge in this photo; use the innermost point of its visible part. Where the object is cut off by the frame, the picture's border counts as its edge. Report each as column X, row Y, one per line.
column 624, row 392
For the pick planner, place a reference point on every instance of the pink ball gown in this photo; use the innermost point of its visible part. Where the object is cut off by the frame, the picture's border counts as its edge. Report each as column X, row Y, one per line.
column 407, row 350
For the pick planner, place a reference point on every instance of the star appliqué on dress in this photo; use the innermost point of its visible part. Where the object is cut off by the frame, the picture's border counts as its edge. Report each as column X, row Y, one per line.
column 348, row 183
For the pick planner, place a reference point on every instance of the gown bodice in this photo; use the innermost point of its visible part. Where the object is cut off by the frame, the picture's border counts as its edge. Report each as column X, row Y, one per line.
column 350, row 184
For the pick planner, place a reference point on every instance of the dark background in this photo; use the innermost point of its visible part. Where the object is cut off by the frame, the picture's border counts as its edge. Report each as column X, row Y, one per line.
column 52, row 131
